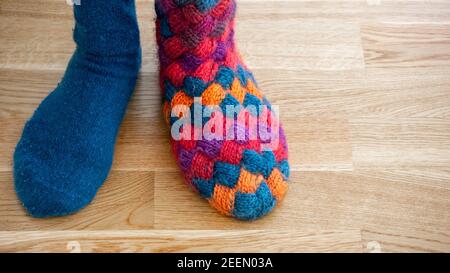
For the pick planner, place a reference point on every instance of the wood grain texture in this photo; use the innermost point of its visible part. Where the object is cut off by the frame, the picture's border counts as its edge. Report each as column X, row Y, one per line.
column 363, row 88
column 320, row 199
column 387, row 240
column 124, row 202
column 398, row 45
column 182, row 241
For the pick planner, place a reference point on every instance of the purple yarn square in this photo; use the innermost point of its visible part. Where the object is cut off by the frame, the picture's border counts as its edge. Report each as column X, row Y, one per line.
column 210, row 147
column 185, row 158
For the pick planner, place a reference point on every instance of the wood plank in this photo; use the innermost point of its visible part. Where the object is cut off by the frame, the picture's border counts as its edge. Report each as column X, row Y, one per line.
column 318, row 143
column 393, row 143
column 182, row 241
column 312, row 93
column 406, row 45
column 374, row 92
column 406, row 92
column 407, row 12
column 125, row 201
column 381, row 240
column 320, row 200
column 314, row 44
column 332, row 45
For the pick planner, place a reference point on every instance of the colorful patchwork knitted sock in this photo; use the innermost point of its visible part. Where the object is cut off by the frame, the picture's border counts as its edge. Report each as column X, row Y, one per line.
column 242, row 177
column 66, row 149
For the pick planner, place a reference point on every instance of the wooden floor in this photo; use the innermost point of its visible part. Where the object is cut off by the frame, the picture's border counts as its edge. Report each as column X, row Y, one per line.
column 364, row 93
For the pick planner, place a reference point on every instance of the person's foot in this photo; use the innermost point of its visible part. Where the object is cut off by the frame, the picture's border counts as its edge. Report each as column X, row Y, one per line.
column 66, row 149
column 240, row 177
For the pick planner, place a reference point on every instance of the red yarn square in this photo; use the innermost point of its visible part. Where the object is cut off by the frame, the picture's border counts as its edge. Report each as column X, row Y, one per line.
column 280, row 153
column 177, row 21
column 254, row 145
column 192, row 14
column 188, row 144
column 175, row 73
column 231, row 152
column 205, row 48
column 202, row 166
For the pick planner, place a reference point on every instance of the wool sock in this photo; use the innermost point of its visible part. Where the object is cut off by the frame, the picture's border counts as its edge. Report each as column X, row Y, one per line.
column 240, row 177
column 66, row 149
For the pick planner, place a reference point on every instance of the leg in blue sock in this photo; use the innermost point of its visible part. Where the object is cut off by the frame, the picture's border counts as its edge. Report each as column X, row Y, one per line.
column 67, row 146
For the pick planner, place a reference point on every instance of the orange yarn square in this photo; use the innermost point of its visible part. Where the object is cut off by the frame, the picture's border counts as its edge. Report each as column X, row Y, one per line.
column 248, row 182
column 223, row 199
column 276, row 184
column 213, row 95
column 181, row 98
column 252, row 89
column 237, row 91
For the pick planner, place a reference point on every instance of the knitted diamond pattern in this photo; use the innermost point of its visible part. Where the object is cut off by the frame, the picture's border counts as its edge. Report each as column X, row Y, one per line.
column 198, row 58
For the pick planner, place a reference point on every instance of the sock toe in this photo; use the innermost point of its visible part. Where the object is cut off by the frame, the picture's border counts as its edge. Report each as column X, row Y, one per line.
column 49, row 190
column 251, row 206
column 248, row 190
column 40, row 199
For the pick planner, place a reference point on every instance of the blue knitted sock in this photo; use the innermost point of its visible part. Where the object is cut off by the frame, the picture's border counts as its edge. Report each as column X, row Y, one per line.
column 67, row 147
